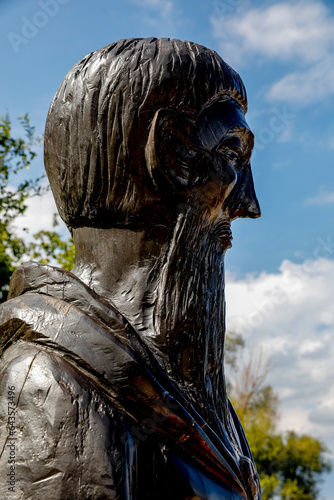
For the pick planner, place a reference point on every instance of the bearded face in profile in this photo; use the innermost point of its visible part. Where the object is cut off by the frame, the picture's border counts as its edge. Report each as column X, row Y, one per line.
column 148, row 155
column 161, row 151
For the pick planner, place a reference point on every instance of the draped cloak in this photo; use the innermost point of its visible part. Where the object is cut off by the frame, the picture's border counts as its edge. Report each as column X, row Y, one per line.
column 87, row 412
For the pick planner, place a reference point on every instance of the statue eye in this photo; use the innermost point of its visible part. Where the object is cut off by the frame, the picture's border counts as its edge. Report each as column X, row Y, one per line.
column 235, row 150
column 232, row 155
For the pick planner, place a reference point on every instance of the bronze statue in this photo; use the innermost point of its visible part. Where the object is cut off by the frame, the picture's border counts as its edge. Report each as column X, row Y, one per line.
column 112, row 375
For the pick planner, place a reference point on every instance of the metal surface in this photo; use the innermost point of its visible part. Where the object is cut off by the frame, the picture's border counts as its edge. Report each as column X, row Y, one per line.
column 112, row 375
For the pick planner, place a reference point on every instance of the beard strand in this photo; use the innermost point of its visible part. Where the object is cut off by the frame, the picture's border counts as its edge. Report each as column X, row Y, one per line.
column 189, row 315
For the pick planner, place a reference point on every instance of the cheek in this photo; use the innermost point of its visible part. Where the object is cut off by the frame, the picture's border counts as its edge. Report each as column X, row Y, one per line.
column 229, row 176
column 217, row 181
column 225, row 177
column 210, row 192
column 216, row 188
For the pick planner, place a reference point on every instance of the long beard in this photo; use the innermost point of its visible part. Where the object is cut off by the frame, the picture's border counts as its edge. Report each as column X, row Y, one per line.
column 189, row 314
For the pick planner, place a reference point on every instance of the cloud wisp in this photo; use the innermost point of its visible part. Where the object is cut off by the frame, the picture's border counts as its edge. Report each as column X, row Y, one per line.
column 289, row 315
column 323, row 198
column 300, row 32
column 159, row 14
column 311, row 85
column 38, row 217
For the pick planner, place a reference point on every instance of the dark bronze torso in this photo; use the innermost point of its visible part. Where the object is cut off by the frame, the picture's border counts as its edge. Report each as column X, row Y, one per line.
column 133, row 435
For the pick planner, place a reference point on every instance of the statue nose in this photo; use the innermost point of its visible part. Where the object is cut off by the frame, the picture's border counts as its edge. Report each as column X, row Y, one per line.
column 243, row 201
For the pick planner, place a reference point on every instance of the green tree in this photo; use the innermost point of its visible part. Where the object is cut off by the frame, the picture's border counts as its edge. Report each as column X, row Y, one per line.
column 16, row 155
column 290, row 466
column 49, row 248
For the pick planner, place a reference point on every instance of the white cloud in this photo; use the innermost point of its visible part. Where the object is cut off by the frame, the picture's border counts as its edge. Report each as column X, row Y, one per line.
column 290, row 316
column 324, row 197
column 300, row 32
column 159, row 13
column 323, row 413
column 312, row 85
column 38, row 216
column 284, row 31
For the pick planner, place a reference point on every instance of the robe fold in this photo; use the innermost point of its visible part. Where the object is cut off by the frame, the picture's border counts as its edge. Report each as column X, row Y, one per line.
column 87, row 412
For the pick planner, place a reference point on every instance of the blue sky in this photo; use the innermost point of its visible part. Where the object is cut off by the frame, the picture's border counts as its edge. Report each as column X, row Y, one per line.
column 284, row 53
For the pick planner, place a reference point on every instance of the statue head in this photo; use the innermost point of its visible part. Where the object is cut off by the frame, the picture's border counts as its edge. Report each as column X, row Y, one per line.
column 143, row 128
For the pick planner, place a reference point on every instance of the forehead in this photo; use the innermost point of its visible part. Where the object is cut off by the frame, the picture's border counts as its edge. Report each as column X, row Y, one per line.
column 219, row 118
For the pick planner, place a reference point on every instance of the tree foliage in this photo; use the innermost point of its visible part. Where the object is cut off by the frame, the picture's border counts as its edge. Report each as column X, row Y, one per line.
column 49, row 248
column 290, row 466
column 16, row 155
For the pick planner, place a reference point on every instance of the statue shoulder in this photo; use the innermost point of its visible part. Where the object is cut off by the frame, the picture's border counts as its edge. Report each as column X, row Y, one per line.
column 54, row 424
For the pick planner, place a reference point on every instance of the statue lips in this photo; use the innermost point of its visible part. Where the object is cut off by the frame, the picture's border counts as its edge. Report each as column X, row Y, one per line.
column 226, row 240
column 224, row 233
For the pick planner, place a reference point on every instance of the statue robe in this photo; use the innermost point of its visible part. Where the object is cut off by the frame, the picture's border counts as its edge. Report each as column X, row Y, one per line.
column 87, row 412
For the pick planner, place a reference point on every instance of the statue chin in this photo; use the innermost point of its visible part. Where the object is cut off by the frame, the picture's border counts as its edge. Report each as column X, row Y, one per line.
column 113, row 373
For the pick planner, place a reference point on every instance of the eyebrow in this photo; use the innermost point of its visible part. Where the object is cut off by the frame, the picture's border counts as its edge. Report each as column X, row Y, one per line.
column 226, row 95
column 243, row 133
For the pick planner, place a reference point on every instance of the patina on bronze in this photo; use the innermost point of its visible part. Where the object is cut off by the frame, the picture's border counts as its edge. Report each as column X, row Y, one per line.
column 117, row 367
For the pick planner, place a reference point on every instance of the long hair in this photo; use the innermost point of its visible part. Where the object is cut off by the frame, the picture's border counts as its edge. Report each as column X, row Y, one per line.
column 99, row 120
